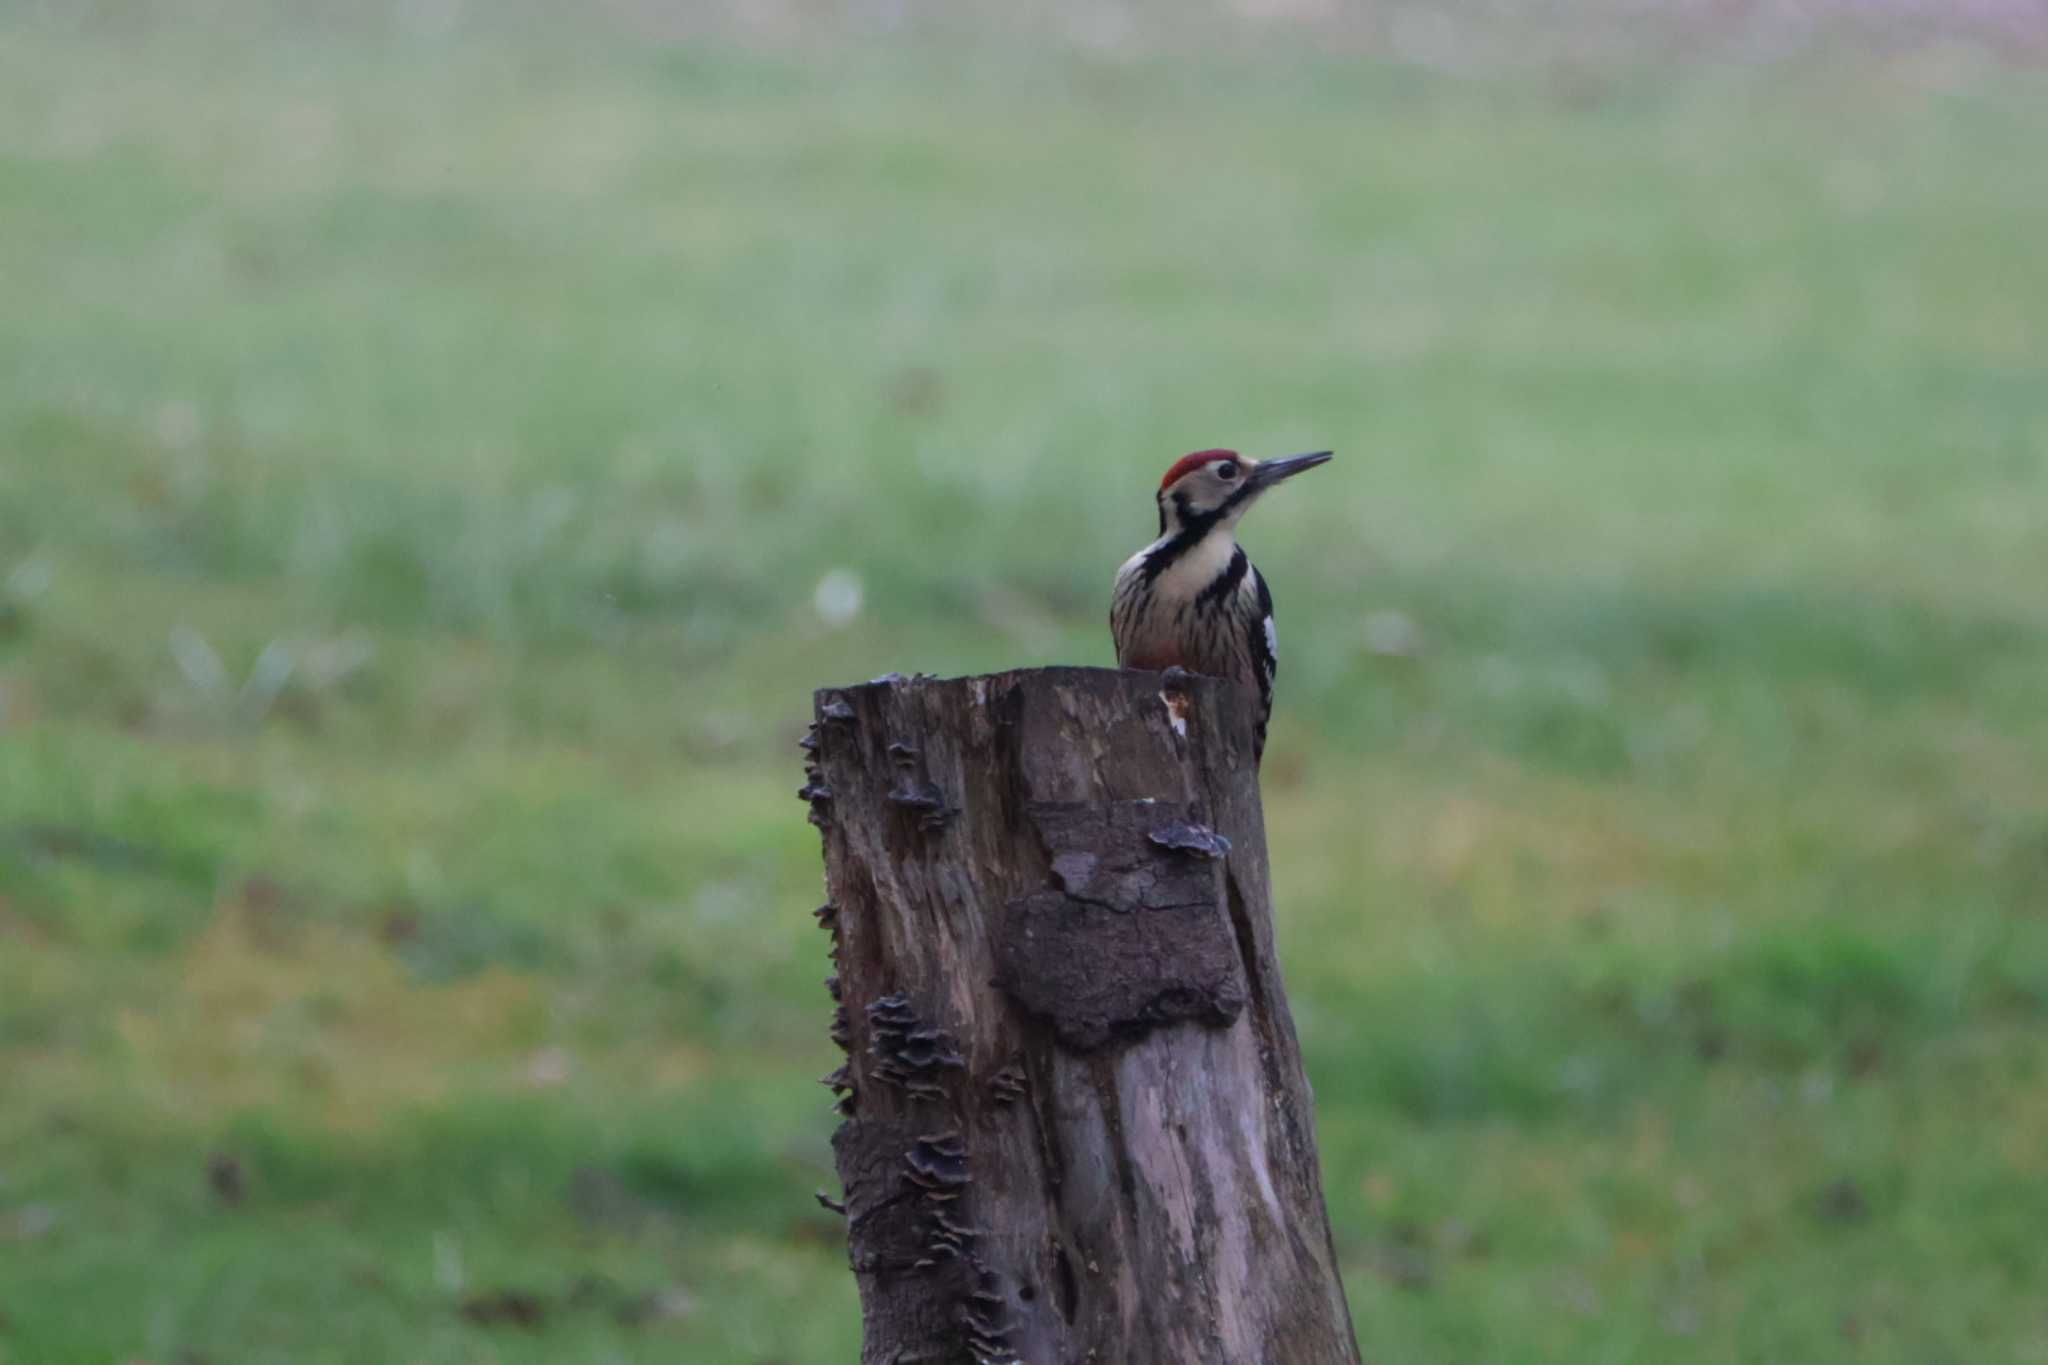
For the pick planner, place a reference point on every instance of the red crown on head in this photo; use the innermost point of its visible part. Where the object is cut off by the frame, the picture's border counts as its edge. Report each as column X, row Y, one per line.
column 1194, row 461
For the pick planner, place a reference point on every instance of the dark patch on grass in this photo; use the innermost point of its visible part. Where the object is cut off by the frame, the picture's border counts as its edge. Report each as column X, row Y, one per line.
column 1842, row 1200
column 712, row 1177
column 520, row 1308
column 226, row 1180
column 103, row 851
column 446, row 944
column 600, row 1198
column 288, row 1165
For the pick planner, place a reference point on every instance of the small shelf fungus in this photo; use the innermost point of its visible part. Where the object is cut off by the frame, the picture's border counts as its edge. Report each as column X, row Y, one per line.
column 1199, row 840
column 816, row 792
column 937, row 1165
column 909, row 1055
column 948, row 1240
column 841, row 1080
column 1007, row 1086
column 842, row 1085
column 915, row 793
column 985, row 1316
column 925, row 800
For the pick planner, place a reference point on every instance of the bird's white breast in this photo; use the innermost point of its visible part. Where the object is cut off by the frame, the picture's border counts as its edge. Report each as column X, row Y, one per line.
column 1157, row 622
column 1197, row 569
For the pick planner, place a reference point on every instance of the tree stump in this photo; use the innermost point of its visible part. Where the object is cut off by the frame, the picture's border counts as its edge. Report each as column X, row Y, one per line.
column 1077, row 1128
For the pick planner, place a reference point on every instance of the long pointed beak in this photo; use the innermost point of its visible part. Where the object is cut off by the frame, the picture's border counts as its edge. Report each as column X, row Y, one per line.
column 1269, row 472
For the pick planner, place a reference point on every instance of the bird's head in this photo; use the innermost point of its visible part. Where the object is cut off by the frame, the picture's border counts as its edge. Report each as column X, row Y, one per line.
column 1212, row 488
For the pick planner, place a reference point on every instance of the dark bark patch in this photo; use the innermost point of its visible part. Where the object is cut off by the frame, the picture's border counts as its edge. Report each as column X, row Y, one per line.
column 1132, row 933
column 882, row 1210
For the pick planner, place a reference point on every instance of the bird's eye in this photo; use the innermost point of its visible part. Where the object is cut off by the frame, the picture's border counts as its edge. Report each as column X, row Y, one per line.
column 1226, row 471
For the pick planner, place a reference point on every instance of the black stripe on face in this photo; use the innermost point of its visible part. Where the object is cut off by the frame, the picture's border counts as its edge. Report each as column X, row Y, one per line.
column 1224, row 584
column 1193, row 526
column 1245, row 491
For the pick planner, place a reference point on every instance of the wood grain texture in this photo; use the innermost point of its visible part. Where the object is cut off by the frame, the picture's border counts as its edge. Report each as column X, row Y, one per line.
column 1076, row 1125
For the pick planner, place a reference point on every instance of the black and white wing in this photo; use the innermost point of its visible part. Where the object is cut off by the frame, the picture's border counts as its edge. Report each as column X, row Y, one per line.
column 1264, row 647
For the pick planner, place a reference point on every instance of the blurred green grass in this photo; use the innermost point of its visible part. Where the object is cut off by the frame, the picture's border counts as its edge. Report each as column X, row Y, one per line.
column 419, row 454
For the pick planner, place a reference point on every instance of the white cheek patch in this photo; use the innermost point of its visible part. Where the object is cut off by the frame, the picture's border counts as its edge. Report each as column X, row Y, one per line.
column 1272, row 639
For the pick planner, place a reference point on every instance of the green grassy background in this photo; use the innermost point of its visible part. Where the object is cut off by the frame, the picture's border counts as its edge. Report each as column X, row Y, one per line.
column 423, row 435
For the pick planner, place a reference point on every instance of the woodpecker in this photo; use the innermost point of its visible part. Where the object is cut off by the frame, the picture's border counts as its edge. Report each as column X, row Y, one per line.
column 1191, row 598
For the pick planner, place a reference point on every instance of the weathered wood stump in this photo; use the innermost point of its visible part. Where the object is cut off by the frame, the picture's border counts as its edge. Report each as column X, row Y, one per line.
column 1077, row 1128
